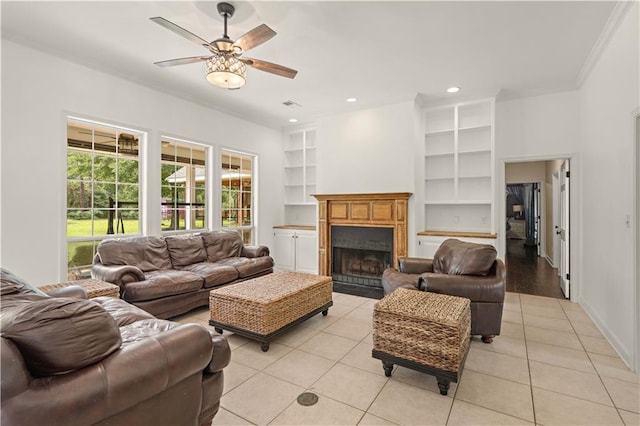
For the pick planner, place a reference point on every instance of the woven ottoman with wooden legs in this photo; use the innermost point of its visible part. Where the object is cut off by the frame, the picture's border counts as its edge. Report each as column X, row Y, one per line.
column 427, row 332
column 263, row 308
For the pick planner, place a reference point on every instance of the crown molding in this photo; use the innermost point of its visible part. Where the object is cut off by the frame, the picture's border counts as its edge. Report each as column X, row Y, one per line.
column 616, row 17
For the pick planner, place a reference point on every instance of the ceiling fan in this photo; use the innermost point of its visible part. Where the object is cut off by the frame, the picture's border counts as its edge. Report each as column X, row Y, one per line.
column 225, row 66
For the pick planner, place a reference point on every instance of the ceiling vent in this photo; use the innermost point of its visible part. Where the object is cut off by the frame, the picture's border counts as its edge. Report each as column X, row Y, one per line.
column 291, row 104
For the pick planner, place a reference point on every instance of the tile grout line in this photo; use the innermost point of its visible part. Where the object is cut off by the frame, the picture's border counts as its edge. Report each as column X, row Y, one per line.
column 526, row 349
column 606, row 389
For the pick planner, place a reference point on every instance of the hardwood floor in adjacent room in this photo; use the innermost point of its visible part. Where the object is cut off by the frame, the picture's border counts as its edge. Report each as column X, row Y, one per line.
column 529, row 273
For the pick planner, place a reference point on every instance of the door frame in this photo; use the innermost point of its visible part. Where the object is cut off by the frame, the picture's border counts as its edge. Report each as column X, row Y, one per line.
column 574, row 201
column 564, row 199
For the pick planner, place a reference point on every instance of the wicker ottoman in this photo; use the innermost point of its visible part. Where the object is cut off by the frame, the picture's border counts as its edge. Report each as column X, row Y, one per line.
column 427, row 332
column 93, row 287
column 265, row 307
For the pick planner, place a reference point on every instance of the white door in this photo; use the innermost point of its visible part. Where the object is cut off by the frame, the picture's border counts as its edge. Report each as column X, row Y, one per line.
column 306, row 252
column 564, row 230
column 284, row 249
column 555, row 247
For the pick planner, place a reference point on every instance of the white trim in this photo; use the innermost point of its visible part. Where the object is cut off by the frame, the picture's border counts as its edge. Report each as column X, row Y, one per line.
column 575, row 211
column 83, row 119
column 549, row 260
column 636, row 238
column 254, row 191
column 618, row 13
column 207, row 147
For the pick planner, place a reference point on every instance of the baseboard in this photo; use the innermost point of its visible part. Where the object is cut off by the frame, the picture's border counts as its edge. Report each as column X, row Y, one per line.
column 549, row 261
column 623, row 353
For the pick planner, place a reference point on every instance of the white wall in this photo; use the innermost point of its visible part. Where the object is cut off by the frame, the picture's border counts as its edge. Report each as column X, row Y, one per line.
column 538, row 128
column 38, row 90
column 369, row 150
column 608, row 99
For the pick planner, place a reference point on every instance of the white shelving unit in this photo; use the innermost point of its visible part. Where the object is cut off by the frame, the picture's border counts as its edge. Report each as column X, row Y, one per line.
column 459, row 166
column 300, row 167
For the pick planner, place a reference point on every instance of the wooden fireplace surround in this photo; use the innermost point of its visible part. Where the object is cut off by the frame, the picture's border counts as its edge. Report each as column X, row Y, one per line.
column 385, row 210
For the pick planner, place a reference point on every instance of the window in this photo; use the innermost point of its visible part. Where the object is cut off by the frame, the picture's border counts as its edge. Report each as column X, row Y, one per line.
column 183, row 182
column 103, row 189
column 237, row 196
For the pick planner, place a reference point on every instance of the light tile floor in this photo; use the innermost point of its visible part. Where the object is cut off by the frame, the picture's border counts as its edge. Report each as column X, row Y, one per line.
column 550, row 366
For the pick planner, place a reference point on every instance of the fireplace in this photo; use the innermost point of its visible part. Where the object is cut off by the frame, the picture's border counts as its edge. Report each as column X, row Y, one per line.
column 360, row 255
column 359, row 236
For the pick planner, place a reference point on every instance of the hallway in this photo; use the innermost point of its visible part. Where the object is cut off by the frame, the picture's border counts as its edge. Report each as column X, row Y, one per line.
column 528, row 273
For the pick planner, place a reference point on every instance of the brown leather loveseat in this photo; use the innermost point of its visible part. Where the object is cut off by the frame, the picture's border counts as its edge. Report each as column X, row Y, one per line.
column 72, row 361
column 458, row 269
column 168, row 276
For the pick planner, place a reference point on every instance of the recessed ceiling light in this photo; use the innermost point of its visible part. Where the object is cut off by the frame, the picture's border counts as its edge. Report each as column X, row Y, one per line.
column 351, row 100
column 453, row 89
column 293, row 120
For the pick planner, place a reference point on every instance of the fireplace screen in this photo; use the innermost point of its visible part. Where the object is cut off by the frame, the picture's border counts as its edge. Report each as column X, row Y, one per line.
column 361, row 254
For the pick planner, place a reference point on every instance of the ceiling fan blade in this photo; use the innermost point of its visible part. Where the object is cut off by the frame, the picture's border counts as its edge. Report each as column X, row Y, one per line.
column 182, row 32
column 181, row 61
column 255, row 37
column 270, row 67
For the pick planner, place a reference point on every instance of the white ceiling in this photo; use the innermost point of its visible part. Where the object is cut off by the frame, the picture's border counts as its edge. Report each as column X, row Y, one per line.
column 378, row 52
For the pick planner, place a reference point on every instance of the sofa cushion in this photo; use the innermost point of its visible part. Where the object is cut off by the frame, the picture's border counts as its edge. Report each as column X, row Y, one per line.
column 165, row 282
column 146, row 253
column 143, row 329
column 59, row 335
column 222, row 244
column 455, row 257
column 13, row 284
column 185, row 250
column 247, row 267
column 213, row 273
column 123, row 313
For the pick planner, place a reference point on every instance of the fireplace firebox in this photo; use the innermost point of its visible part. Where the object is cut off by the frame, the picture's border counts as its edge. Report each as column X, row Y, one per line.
column 359, row 256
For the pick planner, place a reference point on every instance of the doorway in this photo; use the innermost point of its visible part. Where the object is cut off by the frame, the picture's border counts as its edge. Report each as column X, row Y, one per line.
column 536, row 237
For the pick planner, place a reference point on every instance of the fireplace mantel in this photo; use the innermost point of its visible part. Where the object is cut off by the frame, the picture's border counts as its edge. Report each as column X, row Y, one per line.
column 388, row 210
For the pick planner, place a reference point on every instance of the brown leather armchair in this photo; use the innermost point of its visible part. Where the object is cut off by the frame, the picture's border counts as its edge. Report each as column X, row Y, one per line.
column 458, row 269
column 68, row 360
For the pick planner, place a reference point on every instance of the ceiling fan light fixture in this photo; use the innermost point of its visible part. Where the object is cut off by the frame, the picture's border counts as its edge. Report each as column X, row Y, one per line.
column 226, row 71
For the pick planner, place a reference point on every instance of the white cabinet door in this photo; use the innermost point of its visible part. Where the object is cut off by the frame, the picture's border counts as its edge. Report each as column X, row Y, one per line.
column 284, row 250
column 306, row 252
column 427, row 247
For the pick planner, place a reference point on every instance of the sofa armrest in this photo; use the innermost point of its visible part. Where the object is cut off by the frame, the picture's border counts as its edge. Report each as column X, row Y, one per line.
column 117, row 274
column 415, row 265
column 221, row 353
column 254, row 251
column 473, row 287
column 72, row 291
column 129, row 376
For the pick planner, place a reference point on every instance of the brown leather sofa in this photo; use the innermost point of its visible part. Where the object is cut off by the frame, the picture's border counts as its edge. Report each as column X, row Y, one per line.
column 72, row 361
column 168, row 276
column 458, row 269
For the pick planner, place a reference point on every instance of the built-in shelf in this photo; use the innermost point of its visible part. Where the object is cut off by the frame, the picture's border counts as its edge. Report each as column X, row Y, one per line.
column 457, row 234
column 459, row 202
column 300, row 159
column 459, row 167
column 439, row 132
column 442, row 154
